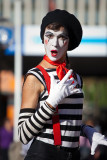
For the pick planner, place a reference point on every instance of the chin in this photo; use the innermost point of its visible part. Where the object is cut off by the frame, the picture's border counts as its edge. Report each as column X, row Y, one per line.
column 54, row 59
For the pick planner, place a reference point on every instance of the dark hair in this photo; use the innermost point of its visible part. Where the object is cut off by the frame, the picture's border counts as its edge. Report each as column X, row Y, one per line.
column 54, row 26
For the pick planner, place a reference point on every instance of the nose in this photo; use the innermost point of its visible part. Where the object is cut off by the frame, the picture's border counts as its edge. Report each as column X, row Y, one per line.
column 55, row 42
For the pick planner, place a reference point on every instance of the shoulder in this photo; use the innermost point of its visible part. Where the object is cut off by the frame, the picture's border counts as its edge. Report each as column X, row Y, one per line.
column 33, row 74
column 33, row 80
column 78, row 78
column 34, row 71
column 31, row 83
column 30, row 78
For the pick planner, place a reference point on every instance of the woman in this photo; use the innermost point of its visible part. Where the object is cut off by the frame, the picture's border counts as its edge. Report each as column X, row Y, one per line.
column 52, row 97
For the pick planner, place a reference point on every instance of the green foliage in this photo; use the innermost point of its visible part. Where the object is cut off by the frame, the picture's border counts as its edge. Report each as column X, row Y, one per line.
column 95, row 91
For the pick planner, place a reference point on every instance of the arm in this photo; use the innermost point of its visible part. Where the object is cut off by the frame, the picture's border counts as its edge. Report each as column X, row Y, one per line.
column 94, row 137
column 30, row 121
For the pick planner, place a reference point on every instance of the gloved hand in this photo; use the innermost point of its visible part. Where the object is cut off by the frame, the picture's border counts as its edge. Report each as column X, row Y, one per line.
column 97, row 139
column 59, row 91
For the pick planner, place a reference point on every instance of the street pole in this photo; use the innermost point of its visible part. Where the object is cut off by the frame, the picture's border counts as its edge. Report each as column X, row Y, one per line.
column 17, row 66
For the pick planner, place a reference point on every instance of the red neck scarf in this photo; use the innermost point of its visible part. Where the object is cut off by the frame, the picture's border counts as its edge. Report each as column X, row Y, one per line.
column 61, row 69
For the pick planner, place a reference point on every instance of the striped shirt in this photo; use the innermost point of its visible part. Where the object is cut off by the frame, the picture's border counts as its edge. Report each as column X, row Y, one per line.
column 39, row 124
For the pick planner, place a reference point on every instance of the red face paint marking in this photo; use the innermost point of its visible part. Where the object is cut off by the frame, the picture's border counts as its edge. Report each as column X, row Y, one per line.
column 46, row 41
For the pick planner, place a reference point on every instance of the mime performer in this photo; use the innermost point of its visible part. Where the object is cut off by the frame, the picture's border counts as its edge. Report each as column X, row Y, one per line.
column 52, row 96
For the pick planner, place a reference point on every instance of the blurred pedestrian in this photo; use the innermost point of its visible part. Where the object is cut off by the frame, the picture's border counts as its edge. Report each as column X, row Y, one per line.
column 6, row 138
column 52, row 97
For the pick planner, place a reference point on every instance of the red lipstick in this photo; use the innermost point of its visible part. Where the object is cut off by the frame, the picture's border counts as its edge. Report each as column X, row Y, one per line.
column 54, row 53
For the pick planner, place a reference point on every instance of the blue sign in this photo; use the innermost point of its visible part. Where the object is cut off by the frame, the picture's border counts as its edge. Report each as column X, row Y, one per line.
column 6, row 36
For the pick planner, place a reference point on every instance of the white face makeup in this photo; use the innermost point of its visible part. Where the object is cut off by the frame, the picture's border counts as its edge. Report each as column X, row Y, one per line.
column 56, row 43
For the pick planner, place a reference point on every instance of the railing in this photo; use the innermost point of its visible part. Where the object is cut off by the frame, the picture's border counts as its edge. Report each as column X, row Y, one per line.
column 89, row 12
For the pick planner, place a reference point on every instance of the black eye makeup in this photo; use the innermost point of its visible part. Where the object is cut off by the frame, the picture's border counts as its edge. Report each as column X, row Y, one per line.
column 63, row 36
column 49, row 34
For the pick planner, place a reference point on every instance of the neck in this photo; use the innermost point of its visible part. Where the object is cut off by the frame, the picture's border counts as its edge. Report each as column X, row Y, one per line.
column 63, row 59
column 47, row 63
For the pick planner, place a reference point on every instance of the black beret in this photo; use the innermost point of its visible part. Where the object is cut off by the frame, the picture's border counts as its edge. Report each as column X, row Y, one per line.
column 69, row 21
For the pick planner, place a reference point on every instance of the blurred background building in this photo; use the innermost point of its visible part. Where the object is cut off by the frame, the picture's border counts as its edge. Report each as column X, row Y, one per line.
column 89, row 60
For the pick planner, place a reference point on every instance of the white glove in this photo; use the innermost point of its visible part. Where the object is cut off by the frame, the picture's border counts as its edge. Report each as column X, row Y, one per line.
column 61, row 90
column 94, row 138
column 97, row 139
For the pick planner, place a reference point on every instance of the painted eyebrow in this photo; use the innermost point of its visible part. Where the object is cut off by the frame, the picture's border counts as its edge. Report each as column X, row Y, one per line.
column 64, row 34
column 47, row 33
